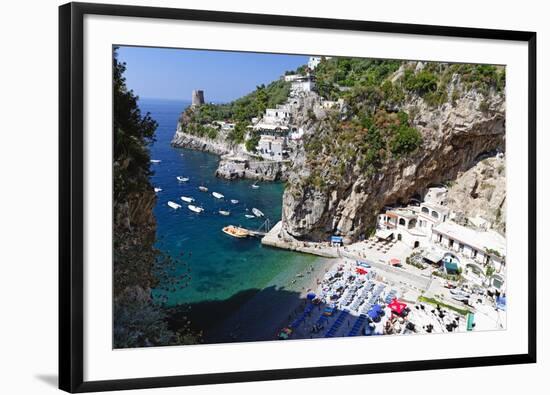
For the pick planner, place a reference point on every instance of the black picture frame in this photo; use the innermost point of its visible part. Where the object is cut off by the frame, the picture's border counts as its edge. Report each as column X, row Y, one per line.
column 71, row 222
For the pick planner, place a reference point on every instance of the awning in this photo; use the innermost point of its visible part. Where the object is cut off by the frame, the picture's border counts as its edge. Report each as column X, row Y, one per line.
column 395, row 261
column 433, row 255
column 384, row 233
column 451, row 266
column 360, row 270
column 336, row 239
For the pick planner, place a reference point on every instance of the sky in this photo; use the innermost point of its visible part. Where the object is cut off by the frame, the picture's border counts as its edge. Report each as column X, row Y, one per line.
column 165, row 73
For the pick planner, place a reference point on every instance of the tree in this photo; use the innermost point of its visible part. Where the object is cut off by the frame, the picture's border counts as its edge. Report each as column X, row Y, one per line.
column 133, row 133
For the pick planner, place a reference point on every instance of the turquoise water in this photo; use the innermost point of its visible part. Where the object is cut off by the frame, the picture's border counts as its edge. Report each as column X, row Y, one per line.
column 221, row 266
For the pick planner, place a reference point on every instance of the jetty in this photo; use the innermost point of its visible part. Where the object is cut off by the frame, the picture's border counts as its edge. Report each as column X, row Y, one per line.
column 261, row 231
column 273, row 238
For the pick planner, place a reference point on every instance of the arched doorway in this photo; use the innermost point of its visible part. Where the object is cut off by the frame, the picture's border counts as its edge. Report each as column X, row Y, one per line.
column 399, row 237
column 416, row 244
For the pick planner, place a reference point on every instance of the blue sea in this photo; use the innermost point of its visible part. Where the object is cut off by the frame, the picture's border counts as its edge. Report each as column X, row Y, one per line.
column 220, row 266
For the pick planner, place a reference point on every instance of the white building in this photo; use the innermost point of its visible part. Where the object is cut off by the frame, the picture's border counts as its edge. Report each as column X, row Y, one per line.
column 272, row 147
column 302, row 84
column 481, row 247
column 401, row 224
column 430, row 215
column 292, row 77
column 314, row 61
column 436, row 195
column 276, row 115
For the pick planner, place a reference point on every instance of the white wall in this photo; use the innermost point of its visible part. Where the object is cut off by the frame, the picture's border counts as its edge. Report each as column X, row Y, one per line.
column 28, row 155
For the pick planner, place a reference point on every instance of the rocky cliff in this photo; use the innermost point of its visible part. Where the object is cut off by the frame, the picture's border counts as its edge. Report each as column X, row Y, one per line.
column 478, row 195
column 344, row 178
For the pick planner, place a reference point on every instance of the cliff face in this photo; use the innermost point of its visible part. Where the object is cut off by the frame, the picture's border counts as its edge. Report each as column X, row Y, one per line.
column 478, row 196
column 218, row 146
column 453, row 135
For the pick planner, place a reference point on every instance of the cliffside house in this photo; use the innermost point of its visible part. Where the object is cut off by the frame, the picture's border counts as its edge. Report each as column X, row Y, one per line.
column 225, row 126
column 292, row 77
column 314, row 61
column 278, row 115
column 445, row 242
column 305, row 83
column 272, row 147
column 481, row 247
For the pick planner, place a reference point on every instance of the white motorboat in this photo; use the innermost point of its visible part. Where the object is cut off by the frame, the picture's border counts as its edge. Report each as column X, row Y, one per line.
column 155, row 161
column 187, row 199
column 257, row 212
column 249, row 216
column 182, row 179
column 255, row 186
column 158, row 190
column 195, row 209
column 174, row 205
column 203, row 189
column 224, row 212
column 234, row 201
column 217, row 195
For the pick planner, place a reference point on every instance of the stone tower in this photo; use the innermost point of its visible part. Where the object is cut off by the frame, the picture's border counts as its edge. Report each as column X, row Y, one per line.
column 197, row 97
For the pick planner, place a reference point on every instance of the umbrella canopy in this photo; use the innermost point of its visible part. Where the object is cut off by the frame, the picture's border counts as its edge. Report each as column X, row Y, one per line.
column 396, row 306
column 360, row 270
column 311, row 296
column 395, row 261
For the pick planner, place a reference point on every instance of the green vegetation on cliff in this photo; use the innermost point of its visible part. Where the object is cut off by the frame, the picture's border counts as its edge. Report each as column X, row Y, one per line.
column 375, row 128
column 355, row 79
column 366, row 141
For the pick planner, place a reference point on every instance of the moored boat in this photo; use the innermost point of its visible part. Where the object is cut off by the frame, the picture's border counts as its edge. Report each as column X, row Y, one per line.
column 217, row 195
column 195, row 209
column 158, row 190
column 182, row 179
column 235, row 231
column 203, row 189
column 249, row 216
column 257, row 212
column 155, row 161
column 174, row 205
column 234, row 201
column 224, row 212
column 187, row 199
column 255, row 186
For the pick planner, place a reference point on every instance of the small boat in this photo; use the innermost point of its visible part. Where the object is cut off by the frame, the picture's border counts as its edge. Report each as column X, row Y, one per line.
column 155, row 161
column 235, row 231
column 224, row 212
column 203, row 189
column 187, row 199
column 174, row 205
column 217, row 195
column 195, row 209
column 257, row 212
column 249, row 216
column 255, row 186
column 158, row 190
column 182, row 179
column 234, row 201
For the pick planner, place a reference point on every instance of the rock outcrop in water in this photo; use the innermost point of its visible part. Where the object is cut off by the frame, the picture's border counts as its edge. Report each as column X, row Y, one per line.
column 454, row 134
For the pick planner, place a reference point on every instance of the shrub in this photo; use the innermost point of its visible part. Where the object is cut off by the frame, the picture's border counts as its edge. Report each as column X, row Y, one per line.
column 405, row 140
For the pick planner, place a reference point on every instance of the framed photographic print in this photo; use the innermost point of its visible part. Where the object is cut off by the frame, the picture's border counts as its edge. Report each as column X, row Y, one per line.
column 314, row 196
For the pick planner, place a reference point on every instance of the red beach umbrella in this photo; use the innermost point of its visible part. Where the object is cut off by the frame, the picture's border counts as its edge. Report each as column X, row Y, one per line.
column 360, row 270
column 396, row 306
